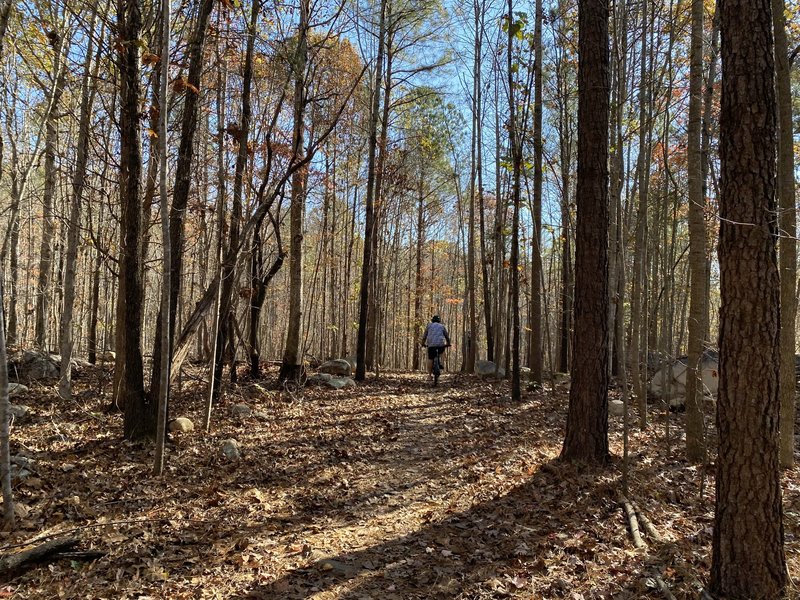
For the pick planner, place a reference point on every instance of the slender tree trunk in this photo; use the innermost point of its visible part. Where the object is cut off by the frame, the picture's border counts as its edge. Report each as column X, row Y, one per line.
column 164, row 341
column 183, row 180
column 695, row 442
column 587, row 420
column 5, row 418
column 638, row 309
column 369, row 226
column 292, row 365
column 788, row 230
column 748, row 559
column 138, row 421
column 43, row 290
column 515, row 136
column 78, row 184
column 535, row 351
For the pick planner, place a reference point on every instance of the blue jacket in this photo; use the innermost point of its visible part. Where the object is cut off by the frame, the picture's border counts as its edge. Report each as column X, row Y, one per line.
column 436, row 336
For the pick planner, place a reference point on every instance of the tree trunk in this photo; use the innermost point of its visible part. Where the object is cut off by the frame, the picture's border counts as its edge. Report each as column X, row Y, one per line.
column 587, row 420
column 43, row 290
column 5, row 417
column 78, row 184
column 748, row 560
column 292, row 365
column 369, row 224
column 535, row 351
column 515, row 136
column 139, row 413
column 698, row 311
column 788, row 229
column 183, row 181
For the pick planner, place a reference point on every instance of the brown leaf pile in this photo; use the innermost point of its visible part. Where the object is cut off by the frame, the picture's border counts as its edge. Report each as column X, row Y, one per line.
column 392, row 490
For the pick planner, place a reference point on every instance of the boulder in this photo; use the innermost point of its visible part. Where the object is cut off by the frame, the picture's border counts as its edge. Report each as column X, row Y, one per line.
column 241, row 411
column 181, row 425
column 105, row 357
column 319, row 378
column 230, row 449
column 15, row 389
column 337, row 366
column 18, row 411
column 669, row 382
column 486, row 368
column 616, row 408
column 340, row 383
column 34, row 365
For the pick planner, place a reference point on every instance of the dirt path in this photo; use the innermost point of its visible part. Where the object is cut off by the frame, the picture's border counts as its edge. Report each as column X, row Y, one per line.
column 394, row 490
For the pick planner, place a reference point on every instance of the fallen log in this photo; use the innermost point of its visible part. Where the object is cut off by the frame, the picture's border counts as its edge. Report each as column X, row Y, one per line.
column 13, row 564
column 633, row 523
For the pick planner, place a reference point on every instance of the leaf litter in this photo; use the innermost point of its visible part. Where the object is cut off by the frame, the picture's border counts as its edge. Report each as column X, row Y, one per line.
column 391, row 490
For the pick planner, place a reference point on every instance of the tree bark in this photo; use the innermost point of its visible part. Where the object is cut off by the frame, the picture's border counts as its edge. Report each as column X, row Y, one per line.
column 748, row 560
column 587, row 420
column 788, row 229
column 139, row 413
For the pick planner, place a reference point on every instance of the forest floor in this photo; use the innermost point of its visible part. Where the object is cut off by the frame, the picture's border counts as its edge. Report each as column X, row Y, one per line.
column 393, row 490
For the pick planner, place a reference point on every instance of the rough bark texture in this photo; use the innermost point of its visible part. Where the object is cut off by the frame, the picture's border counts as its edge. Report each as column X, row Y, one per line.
column 698, row 304
column 748, row 559
column 587, row 421
column 788, row 226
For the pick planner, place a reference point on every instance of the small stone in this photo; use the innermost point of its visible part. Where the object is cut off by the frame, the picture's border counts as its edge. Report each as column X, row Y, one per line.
column 241, row 411
column 181, row 425
column 230, row 449
column 616, row 408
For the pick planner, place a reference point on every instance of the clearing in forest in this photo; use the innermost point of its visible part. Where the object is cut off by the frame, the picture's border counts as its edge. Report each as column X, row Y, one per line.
column 391, row 490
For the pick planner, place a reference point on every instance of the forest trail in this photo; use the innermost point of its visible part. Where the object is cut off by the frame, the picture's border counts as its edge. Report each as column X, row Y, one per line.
column 393, row 490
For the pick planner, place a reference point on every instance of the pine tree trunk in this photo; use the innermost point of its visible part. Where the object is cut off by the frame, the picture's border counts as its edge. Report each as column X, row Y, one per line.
column 587, row 420
column 748, row 559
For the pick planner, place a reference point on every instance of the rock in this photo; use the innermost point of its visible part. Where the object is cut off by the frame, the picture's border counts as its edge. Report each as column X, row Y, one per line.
column 15, row 389
column 34, row 365
column 181, row 425
column 19, row 411
column 486, row 368
column 340, row 383
column 337, row 366
column 241, row 411
column 319, row 378
column 21, row 467
column 230, row 449
column 109, row 356
column 616, row 408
